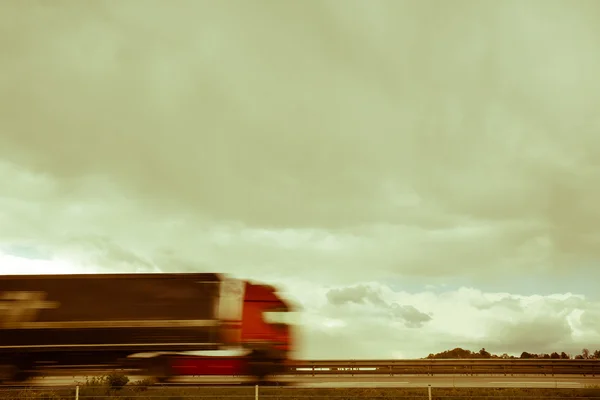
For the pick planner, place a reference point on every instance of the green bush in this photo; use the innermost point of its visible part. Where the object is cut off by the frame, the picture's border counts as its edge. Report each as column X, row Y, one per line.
column 142, row 385
column 116, row 380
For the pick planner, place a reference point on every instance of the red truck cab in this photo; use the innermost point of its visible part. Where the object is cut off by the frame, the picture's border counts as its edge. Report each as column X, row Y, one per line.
column 256, row 337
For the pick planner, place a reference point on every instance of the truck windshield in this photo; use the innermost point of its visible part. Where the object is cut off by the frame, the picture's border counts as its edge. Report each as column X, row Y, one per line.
column 280, row 316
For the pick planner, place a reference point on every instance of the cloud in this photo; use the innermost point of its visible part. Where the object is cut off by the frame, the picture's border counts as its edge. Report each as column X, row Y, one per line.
column 464, row 146
column 545, row 333
column 505, row 302
column 513, row 323
column 240, row 139
column 357, row 294
column 413, row 317
column 366, row 132
column 365, row 295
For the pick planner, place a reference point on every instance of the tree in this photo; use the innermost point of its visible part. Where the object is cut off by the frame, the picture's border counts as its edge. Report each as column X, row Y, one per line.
column 585, row 353
column 459, row 353
column 483, row 353
column 454, row 353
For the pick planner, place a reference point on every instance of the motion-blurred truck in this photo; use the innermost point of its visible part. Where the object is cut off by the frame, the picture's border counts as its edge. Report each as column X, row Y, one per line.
column 161, row 325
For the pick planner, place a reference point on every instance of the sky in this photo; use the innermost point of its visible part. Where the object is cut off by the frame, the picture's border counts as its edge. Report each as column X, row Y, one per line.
column 416, row 175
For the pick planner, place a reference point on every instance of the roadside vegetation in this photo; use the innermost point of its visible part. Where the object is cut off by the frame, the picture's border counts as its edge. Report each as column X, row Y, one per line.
column 586, row 354
column 116, row 386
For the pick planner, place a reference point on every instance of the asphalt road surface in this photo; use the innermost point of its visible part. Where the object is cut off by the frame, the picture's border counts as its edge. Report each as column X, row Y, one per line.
column 460, row 381
column 531, row 381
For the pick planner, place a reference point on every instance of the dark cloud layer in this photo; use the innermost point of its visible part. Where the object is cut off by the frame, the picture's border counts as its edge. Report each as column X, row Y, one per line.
column 249, row 116
column 370, row 118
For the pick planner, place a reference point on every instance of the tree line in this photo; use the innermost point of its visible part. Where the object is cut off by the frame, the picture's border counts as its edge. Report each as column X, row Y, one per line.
column 462, row 353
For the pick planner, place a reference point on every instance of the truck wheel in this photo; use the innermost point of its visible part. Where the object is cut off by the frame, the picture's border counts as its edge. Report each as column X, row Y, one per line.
column 159, row 370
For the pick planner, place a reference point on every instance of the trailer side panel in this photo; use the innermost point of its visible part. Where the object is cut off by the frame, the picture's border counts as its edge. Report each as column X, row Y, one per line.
column 109, row 311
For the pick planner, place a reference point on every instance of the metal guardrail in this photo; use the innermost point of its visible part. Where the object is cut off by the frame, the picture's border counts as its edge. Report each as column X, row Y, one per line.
column 446, row 366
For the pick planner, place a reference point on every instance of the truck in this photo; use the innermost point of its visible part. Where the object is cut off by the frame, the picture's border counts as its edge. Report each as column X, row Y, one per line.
column 161, row 325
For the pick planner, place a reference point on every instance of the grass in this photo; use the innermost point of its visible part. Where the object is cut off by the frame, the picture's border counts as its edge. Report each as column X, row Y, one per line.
column 118, row 387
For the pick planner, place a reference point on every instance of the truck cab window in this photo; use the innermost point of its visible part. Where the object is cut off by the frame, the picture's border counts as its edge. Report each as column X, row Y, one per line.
column 280, row 317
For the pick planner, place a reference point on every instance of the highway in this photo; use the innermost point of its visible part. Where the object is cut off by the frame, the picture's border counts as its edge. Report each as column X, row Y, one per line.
column 459, row 381
column 345, row 381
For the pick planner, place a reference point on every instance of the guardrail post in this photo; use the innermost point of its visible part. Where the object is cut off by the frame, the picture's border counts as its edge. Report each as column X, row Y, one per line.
column 429, row 391
column 77, row 392
column 256, row 392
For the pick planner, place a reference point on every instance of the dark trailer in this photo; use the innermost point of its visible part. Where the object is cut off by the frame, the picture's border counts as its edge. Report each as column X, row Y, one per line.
column 98, row 319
